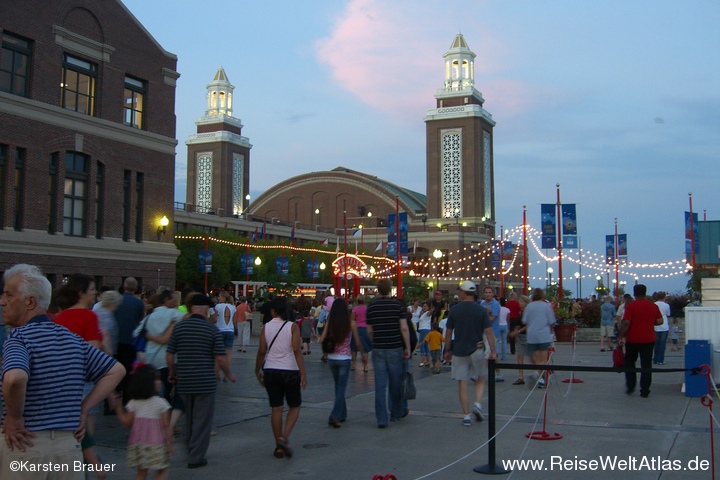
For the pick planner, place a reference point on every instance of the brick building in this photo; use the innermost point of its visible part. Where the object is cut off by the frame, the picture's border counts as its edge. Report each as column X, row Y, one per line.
column 87, row 142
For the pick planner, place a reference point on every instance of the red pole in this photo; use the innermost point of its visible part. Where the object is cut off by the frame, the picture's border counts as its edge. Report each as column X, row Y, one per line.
column 398, row 265
column 692, row 233
column 502, row 261
column 617, row 282
column 559, row 235
column 207, row 242
column 525, row 252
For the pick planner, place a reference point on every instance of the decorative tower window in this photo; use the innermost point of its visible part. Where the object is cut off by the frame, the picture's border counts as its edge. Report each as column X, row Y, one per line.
column 204, row 182
column 237, row 183
column 451, row 173
column 487, row 173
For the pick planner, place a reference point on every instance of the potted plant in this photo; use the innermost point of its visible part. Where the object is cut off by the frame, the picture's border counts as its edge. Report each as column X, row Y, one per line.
column 565, row 313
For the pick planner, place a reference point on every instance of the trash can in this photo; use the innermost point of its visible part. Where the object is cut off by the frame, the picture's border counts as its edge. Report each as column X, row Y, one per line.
column 697, row 352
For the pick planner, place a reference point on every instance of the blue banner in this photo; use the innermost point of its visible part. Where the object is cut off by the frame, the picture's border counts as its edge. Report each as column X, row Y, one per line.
column 549, row 239
column 282, row 265
column 392, row 245
column 508, row 251
column 246, row 263
column 622, row 248
column 569, row 225
column 495, row 255
column 313, row 268
column 689, row 233
column 610, row 249
column 205, row 261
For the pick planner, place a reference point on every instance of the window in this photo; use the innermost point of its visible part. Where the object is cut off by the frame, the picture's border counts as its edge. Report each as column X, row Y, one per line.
column 139, row 193
column 78, row 85
column 19, row 188
column 52, row 194
column 99, row 200
column 76, row 174
column 15, row 65
column 134, row 102
column 3, row 173
column 127, row 179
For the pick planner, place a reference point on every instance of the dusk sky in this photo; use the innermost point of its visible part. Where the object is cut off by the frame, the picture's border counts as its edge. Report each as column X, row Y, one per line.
column 617, row 101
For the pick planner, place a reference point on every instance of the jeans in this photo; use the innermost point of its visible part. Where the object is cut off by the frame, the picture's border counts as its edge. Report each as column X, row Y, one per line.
column 341, row 372
column 660, row 343
column 424, row 348
column 645, row 351
column 501, row 341
column 388, row 365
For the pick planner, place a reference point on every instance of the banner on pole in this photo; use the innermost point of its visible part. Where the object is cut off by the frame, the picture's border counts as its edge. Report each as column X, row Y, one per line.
column 569, row 226
column 689, row 233
column 403, row 234
column 508, row 251
column 246, row 263
column 549, row 239
column 313, row 268
column 609, row 249
column 495, row 254
column 282, row 265
column 622, row 248
column 205, row 261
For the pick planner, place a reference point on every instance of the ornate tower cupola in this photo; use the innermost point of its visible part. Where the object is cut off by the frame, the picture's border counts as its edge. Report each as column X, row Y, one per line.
column 219, row 95
column 460, row 146
column 218, row 174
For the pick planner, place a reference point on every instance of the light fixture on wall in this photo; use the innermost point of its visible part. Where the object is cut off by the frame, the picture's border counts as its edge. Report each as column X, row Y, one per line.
column 162, row 227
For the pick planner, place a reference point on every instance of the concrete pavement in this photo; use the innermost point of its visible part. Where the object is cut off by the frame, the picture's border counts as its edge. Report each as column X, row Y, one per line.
column 596, row 419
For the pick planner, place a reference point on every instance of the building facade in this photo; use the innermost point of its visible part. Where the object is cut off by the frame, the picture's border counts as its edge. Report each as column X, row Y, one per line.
column 87, row 144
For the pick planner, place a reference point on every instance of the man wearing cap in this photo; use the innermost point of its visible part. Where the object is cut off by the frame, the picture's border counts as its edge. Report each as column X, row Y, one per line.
column 637, row 333
column 198, row 345
column 468, row 321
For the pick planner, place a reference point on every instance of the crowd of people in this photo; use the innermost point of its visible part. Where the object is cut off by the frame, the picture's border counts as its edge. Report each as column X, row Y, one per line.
column 150, row 358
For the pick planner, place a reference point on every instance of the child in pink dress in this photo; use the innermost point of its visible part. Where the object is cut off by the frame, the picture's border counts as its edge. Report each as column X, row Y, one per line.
column 148, row 415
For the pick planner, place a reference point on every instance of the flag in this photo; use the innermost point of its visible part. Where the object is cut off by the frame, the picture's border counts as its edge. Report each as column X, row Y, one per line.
column 253, row 239
column 379, row 247
column 325, row 242
column 262, row 232
column 357, row 233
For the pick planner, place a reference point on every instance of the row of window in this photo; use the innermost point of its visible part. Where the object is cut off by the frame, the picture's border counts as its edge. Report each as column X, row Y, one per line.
column 75, row 194
column 78, row 84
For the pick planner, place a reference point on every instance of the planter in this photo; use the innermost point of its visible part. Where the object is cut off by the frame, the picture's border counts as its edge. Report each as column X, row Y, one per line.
column 564, row 332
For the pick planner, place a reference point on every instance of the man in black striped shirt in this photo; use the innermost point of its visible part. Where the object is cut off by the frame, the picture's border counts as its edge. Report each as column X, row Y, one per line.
column 388, row 330
column 198, row 344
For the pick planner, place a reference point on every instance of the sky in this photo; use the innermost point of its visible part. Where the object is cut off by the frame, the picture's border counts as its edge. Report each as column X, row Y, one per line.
column 618, row 102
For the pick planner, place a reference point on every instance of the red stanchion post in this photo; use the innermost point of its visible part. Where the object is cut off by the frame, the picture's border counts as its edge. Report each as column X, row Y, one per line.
column 573, row 378
column 707, row 401
column 543, row 434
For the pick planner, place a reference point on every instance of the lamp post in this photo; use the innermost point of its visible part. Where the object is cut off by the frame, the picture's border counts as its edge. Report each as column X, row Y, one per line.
column 424, row 219
column 322, row 272
column 317, row 218
column 577, row 284
column 549, row 275
column 599, row 285
column 437, row 254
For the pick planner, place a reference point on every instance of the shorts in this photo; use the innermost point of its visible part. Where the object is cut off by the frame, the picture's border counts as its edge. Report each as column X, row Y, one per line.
column 674, row 341
column 435, row 355
column 364, row 339
column 228, row 339
column 521, row 347
column 536, row 347
column 283, row 385
column 607, row 330
column 470, row 367
column 306, row 339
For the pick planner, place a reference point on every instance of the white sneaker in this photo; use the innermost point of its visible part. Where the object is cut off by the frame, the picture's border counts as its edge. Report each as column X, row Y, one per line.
column 477, row 411
column 422, row 364
column 466, row 421
column 541, row 383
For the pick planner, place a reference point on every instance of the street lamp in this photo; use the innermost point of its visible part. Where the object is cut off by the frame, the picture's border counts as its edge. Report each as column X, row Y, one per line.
column 162, row 228
column 549, row 272
column 424, row 219
column 322, row 271
column 577, row 284
column 317, row 218
column 437, row 254
column 599, row 286
column 457, row 216
column 258, row 261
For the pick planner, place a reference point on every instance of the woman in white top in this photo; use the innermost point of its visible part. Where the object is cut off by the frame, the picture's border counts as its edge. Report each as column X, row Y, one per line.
column 225, row 313
column 423, row 327
column 280, row 368
column 415, row 310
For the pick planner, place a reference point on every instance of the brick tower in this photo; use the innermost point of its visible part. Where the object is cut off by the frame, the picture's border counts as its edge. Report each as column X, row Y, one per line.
column 218, row 160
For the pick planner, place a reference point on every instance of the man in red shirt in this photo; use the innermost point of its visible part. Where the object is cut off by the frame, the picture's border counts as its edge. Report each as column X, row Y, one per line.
column 637, row 333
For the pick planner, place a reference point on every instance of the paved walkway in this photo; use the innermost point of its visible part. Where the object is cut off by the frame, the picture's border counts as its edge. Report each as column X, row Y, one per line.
column 596, row 419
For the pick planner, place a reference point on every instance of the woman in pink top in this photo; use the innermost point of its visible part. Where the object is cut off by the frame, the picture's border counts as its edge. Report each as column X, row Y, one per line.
column 359, row 316
column 335, row 340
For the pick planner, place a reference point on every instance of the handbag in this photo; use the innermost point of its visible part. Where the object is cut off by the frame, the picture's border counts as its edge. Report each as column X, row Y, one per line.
column 409, row 392
column 618, row 358
column 139, row 342
column 262, row 367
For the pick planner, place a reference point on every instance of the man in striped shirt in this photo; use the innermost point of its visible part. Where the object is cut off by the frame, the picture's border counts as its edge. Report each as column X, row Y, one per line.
column 388, row 330
column 43, row 379
column 198, row 345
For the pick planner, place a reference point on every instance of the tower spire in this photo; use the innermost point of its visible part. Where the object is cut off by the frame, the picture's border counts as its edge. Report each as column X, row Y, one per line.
column 459, row 65
column 219, row 95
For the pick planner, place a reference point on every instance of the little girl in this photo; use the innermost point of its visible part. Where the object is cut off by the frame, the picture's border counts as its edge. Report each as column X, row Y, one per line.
column 148, row 415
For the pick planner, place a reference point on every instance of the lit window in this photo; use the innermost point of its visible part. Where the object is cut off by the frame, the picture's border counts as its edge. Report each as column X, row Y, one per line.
column 77, row 90
column 76, row 174
column 134, row 102
column 15, row 64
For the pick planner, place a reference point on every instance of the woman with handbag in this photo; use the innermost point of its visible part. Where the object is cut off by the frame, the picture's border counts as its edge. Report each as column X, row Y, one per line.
column 280, row 368
column 335, row 341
